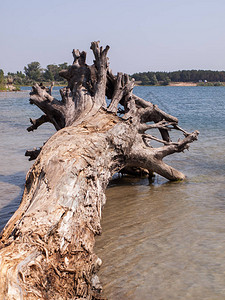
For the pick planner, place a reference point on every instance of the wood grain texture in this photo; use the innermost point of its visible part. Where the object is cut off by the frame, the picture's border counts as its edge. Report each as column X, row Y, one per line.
column 46, row 248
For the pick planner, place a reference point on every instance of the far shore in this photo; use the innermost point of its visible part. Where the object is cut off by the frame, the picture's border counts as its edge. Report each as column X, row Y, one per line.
column 182, row 84
column 172, row 83
column 12, row 88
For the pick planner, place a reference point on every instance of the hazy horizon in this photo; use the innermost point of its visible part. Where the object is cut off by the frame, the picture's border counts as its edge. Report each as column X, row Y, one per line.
column 143, row 35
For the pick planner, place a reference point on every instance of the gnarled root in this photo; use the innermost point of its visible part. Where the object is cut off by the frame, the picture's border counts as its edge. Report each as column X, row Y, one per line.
column 47, row 245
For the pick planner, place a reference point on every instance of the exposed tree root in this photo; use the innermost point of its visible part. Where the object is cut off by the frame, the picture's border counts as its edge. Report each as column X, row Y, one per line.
column 47, row 245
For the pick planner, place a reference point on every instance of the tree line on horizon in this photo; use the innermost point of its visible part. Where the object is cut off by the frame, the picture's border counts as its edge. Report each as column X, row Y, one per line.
column 164, row 78
column 33, row 72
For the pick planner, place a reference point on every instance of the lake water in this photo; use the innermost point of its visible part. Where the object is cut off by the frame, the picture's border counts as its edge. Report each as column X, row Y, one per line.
column 160, row 240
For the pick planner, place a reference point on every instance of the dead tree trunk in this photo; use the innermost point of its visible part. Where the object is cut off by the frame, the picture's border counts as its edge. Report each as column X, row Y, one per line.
column 47, row 246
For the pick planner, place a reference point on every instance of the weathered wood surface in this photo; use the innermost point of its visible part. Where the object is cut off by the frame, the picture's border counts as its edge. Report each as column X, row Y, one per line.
column 47, row 246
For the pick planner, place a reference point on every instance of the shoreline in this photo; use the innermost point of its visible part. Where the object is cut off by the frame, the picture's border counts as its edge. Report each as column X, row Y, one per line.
column 179, row 84
column 204, row 84
column 182, row 84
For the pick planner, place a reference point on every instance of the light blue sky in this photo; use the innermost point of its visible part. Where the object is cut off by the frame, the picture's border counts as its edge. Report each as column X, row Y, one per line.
column 143, row 35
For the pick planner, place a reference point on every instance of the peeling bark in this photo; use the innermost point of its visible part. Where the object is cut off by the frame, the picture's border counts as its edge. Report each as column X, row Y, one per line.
column 47, row 245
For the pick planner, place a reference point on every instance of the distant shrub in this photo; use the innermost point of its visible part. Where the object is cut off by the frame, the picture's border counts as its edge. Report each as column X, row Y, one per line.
column 210, row 84
column 205, row 84
column 218, row 84
column 2, row 88
column 17, row 88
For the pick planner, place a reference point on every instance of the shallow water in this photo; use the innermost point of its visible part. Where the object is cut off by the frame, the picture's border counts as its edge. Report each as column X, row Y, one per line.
column 15, row 140
column 160, row 240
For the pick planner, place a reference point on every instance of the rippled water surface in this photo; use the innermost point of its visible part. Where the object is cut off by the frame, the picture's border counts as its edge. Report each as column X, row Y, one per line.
column 160, row 240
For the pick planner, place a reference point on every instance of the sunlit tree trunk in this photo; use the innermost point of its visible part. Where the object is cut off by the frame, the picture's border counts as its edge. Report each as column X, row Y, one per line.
column 47, row 245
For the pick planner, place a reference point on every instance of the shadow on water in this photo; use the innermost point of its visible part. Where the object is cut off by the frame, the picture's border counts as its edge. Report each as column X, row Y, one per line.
column 129, row 180
column 7, row 211
column 16, row 180
column 123, row 180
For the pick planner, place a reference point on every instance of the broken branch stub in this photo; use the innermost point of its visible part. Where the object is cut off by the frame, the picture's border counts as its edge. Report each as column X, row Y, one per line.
column 47, row 245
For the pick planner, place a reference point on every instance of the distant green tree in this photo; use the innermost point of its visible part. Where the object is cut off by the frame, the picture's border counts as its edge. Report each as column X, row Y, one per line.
column 1, row 76
column 153, row 79
column 174, row 76
column 160, row 76
column 20, row 74
column 63, row 66
column 2, row 80
column 184, row 76
column 166, row 81
column 194, row 75
column 33, row 71
column 50, row 72
column 222, row 76
column 145, row 80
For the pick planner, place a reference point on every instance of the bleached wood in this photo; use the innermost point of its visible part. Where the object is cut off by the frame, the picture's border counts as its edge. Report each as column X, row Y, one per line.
column 46, row 248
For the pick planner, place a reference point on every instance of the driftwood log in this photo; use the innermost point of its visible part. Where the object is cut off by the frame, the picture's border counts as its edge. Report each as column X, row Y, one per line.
column 102, row 128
